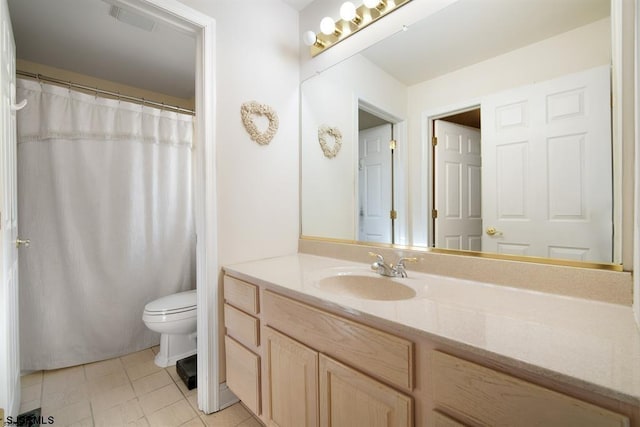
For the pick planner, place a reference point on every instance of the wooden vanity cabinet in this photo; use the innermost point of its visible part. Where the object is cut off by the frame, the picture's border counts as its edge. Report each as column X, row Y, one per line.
column 296, row 365
column 242, row 342
column 306, row 388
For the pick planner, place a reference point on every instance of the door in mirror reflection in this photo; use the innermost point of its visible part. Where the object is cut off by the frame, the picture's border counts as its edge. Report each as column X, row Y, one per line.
column 546, row 173
column 374, row 184
column 458, row 199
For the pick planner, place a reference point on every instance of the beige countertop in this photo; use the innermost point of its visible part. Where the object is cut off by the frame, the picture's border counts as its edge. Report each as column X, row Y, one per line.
column 589, row 344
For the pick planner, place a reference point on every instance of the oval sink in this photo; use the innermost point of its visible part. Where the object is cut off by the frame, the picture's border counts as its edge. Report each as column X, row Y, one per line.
column 366, row 287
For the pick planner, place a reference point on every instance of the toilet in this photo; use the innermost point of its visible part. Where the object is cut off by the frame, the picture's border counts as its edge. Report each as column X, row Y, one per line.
column 174, row 317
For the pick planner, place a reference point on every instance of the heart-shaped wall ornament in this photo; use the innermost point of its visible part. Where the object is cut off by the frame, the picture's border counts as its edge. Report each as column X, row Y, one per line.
column 252, row 108
column 325, row 131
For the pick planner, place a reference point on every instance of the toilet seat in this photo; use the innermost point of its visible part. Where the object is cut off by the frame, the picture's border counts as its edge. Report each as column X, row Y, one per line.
column 181, row 303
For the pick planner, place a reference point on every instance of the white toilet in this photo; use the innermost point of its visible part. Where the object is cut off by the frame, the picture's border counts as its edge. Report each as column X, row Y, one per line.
column 174, row 317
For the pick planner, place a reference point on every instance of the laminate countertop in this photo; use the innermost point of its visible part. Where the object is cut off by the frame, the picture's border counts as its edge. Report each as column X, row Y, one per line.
column 589, row 344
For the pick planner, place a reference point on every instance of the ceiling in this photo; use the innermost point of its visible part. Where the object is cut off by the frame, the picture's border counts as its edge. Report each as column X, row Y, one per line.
column 470, row 31
column 298, row 4
column 81, row 36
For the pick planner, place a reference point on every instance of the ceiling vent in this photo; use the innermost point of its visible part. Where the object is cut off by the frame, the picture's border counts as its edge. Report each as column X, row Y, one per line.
column 133, row 19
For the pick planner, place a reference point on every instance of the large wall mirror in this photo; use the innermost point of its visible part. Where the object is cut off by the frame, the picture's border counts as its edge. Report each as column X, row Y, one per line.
column 485, row 127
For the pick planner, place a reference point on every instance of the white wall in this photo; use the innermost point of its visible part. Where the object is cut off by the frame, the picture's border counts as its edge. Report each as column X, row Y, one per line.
column 328, row 207
column 579, row 49
column 256, row 59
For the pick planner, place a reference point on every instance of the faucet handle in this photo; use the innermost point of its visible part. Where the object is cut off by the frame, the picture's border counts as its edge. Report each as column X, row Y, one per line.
column 378, row 256
column 402, row 261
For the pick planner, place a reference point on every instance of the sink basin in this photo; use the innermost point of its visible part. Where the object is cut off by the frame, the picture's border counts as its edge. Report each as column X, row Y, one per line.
column 366, row 287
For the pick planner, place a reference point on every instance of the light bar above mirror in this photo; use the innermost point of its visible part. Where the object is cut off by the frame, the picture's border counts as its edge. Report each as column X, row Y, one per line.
column 352, row 19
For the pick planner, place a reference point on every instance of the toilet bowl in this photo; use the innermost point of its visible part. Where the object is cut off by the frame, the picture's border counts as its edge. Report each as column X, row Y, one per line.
column 174, row 317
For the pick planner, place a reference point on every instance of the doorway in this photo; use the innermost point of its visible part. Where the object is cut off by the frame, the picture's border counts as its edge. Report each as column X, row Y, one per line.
column 185, row 19
column 457, row 168
column 377, row 215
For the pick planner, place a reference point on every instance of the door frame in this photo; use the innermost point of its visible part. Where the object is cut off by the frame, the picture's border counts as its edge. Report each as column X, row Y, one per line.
column 211, row 396
column 424, row 221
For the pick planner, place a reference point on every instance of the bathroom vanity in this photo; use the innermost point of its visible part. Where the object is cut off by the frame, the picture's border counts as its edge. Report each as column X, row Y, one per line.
column 314, row 341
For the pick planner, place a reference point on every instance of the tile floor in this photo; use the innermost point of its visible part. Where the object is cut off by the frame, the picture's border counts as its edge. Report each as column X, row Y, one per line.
column 125, row 391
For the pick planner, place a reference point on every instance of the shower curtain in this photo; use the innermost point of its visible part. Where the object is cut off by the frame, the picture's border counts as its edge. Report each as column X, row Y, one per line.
column 105, row 195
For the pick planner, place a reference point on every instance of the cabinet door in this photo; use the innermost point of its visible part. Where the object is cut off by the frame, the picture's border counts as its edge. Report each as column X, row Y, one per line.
column 349, row 398
column 291, row 398
column 243, row 374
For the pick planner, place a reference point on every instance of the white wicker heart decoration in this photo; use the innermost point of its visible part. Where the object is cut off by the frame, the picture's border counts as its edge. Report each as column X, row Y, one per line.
column 323, row 132
column 253, row 108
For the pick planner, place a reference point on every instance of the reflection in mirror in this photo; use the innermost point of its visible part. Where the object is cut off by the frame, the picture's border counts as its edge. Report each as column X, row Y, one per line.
column 502, row 121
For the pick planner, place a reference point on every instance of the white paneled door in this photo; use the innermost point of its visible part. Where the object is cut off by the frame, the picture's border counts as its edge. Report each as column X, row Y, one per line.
column 9, row 339
column 374, row 184
column 458, row 200
column 547, row 173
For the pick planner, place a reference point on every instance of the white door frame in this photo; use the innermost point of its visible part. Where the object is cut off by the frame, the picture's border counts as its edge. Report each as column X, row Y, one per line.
column 202, row 27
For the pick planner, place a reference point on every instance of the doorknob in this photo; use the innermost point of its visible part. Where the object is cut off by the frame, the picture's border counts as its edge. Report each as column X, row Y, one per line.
column 491, row 231
column 25, row 242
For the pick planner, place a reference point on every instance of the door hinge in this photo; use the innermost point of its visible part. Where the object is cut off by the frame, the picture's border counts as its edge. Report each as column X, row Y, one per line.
column 434, row 213
column 434, row 141
column 393, row 214
column 393, row 144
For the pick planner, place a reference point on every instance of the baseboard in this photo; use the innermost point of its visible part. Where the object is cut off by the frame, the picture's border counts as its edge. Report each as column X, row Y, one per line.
column 226, row 397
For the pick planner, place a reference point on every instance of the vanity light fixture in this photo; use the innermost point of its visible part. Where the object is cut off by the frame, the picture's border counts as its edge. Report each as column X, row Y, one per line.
column 352, row 20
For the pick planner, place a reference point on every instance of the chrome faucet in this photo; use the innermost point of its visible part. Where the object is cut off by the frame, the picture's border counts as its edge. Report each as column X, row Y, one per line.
column 390, row 270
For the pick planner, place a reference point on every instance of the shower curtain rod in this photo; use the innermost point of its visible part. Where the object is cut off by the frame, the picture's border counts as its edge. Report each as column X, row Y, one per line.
column 97, row 91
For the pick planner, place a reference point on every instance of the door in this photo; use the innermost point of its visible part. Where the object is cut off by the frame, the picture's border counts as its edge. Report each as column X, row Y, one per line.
column 374, row 184
column 9, row 339
column 458, row 201
column 349, row 398
column 547, row 174
column 292, row 381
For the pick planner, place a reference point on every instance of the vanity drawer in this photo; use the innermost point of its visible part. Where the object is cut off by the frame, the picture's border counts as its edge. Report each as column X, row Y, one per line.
column 470, row 391
column 369, row 350
column 243, row 374
column 241, row 326
column 241, row 294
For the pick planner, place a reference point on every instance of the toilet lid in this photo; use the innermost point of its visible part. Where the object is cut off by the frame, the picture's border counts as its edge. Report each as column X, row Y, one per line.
column 182, row 301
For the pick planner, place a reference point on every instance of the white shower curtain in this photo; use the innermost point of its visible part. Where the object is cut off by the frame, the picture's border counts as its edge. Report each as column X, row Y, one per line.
column 105, row 195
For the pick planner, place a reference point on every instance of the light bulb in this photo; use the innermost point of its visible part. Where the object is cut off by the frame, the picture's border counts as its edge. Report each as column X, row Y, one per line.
column 371, row 3
column 327, row 25
column 309, row 38
column 347, row 11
